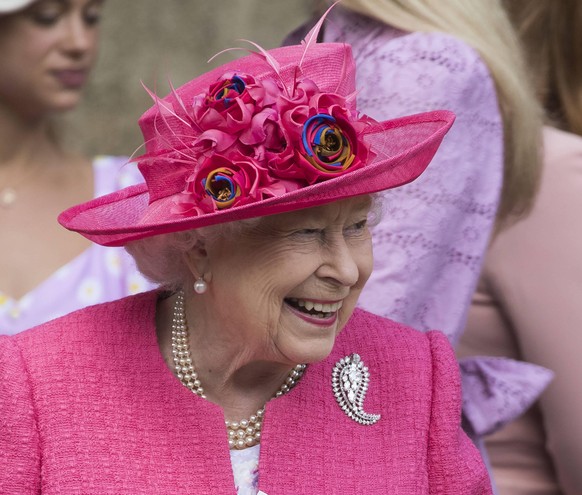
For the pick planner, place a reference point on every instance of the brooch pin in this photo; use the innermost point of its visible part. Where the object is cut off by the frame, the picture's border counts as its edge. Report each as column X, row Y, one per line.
column 350, row 379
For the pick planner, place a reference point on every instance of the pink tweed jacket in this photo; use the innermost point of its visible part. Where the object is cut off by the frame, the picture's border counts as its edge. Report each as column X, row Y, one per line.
column 88, row 406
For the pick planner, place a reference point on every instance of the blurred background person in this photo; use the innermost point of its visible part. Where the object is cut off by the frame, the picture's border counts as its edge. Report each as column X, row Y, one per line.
column 113, row 99
column 527, row 305
column 47, row 51
column 103, row 122
column 430, row 243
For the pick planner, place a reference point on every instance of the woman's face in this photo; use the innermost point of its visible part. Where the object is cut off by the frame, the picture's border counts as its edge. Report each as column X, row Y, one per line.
column 287, row 285
column 46, row 53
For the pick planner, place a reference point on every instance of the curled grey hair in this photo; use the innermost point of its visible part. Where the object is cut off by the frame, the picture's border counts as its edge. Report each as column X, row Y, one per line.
column 161, row 258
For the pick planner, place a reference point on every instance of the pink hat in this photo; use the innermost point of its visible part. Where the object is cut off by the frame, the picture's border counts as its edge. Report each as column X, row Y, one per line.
column 268, row 133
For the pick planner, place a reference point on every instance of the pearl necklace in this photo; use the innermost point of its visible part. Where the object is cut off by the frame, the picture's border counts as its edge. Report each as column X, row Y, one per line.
column 243, row 433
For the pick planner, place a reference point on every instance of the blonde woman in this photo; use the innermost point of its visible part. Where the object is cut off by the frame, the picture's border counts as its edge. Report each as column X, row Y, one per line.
column 528, row 302
column 419, row 55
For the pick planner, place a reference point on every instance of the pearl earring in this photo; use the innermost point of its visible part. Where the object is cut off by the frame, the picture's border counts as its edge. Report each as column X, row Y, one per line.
column 200, row 286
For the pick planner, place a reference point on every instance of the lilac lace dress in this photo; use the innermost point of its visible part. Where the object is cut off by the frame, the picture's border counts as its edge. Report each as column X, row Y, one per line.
column 98, row 274
column 429, row 245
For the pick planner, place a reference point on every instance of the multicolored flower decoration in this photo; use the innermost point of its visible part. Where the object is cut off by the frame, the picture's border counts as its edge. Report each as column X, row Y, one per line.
column 325, row 145
column 227, row 90
column 257, row 140
column 221, row 187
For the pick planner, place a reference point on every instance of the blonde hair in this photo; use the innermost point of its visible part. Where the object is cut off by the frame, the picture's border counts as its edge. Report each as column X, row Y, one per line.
column 551, row 33
column 483, row 25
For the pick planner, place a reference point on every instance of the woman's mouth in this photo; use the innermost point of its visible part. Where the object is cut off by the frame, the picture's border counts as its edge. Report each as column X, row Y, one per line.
column 315, row 309
column 72, row 79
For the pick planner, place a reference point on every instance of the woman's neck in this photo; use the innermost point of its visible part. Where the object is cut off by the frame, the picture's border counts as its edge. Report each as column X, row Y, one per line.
column 232, row 373
column 26, row 141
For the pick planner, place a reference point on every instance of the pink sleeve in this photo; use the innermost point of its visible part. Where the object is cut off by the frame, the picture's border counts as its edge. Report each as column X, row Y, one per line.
column 535, row 269
column 431, row 241
column 455, row 465
column 19, row 440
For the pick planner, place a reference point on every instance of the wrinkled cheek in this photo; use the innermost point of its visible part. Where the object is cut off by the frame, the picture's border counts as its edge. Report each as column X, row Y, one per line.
column 348, row 308
column 366, row 264
column 266, row 307
column 365, row 273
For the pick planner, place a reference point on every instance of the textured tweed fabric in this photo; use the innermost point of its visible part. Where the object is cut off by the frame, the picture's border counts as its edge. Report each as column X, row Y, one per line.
column 88, row 406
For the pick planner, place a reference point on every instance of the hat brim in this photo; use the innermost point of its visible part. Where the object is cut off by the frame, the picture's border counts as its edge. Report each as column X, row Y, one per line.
column 403, row 149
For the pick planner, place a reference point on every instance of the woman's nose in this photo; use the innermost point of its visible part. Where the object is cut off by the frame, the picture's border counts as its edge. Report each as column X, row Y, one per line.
column 78, row 38
column 339, row 263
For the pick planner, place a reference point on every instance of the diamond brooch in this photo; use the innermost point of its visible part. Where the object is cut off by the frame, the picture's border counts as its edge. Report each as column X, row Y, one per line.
column 350, row 379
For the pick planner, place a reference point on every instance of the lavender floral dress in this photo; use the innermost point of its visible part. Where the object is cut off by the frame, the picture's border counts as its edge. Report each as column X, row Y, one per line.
column 97, row 275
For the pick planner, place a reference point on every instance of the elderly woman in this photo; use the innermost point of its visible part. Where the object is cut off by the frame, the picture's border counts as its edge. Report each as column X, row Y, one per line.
column 254, row 213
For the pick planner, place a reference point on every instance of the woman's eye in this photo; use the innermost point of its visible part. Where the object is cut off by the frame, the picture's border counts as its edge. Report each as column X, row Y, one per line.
column 358, row 226
column 92, row 15
column 47, row 16
column 308, row 232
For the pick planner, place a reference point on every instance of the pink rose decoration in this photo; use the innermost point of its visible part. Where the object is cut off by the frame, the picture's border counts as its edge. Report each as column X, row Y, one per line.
column 221, row 182
column 322, row 138
column 303, row 91
column 228, row 106
column 256, row 140
column 327, row 145
column 264, row 134
column 213, row 141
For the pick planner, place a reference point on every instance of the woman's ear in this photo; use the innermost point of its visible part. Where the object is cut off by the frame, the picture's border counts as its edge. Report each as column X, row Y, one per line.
column 196, row 258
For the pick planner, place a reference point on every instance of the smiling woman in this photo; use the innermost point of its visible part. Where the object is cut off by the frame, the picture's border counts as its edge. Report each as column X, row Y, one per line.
column 304, row 269
column 259, row 181
column 47, row 51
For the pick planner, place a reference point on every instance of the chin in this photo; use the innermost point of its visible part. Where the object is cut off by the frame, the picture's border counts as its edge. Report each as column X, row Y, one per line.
column 60, row 101
column 312, row 352
column 66, row 103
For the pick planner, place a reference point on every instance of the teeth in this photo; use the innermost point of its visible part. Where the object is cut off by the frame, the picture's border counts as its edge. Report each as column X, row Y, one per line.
column 319, row 307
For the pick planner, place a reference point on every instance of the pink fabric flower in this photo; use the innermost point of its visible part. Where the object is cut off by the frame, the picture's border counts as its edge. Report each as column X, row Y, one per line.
column 259, row 140
column 213, row 141
column 228, row 106
column 222, row 182
column 322, row 139
column 265, row 130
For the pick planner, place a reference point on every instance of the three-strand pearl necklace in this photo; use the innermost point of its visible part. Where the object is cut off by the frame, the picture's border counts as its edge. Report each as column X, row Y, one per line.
column 243, row 433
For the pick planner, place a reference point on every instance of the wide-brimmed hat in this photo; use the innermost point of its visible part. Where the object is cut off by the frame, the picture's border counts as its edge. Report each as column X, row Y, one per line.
column 9, row 6
column 271, row 132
